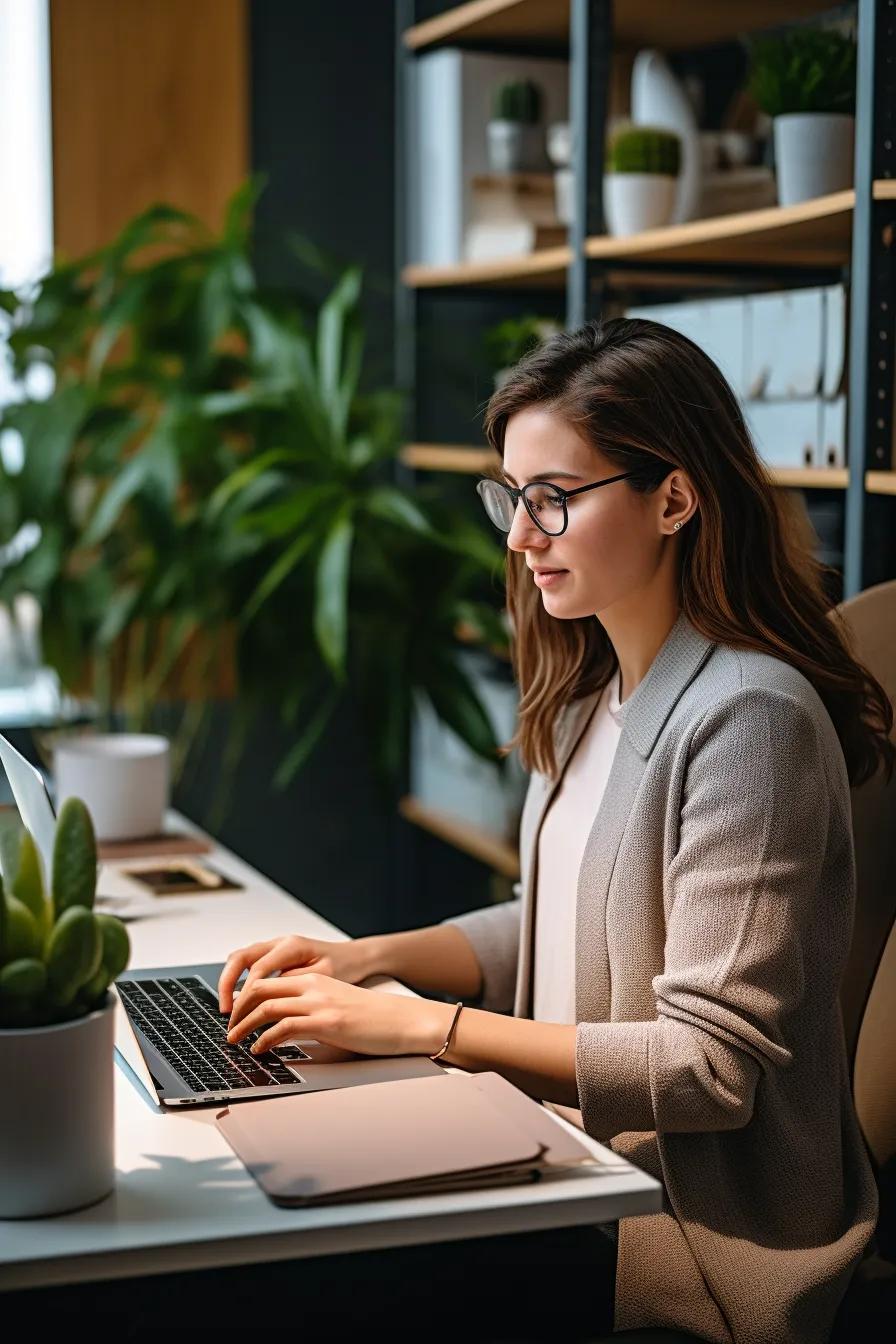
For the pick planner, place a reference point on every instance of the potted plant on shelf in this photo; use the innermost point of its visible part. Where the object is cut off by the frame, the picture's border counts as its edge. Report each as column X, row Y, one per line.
column 58, row 958
column 509, row 341
column 208, row 493
column 642, row 167
column 515, row 134
column 805, row 81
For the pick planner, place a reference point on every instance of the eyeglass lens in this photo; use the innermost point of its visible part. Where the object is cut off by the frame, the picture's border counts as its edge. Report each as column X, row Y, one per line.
column 543, row 501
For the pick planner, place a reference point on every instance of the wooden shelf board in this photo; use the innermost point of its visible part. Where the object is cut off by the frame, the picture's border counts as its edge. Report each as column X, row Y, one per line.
column 544, row 268
column 491, row 850
column 448, row 457
column 880, row 482
column 462, row 459
column 810, row 478
column 637, row 23
column 811, row 233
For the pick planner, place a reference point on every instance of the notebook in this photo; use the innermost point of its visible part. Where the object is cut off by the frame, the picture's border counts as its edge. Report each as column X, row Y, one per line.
column 409, row 1136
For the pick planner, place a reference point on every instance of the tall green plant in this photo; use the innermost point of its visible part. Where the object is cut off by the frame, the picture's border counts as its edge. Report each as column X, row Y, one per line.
column 209, row 462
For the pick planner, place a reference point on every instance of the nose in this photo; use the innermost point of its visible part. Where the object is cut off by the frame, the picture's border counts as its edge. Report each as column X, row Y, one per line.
column 523, row 534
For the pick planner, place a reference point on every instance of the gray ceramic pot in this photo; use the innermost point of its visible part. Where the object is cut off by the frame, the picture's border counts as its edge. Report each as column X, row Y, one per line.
column 57, row 1115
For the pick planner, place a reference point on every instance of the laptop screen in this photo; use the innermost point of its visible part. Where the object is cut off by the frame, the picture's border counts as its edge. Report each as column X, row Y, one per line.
column 32, row 800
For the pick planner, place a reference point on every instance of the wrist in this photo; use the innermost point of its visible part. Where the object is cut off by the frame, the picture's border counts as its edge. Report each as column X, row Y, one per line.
column 371, row 955
column 432, row 1024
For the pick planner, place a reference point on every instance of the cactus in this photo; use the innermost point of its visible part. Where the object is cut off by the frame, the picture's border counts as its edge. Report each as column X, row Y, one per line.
column 74, row 858
column 644, row 149
column 27, row 886
column 57, row 956
column 517, row 100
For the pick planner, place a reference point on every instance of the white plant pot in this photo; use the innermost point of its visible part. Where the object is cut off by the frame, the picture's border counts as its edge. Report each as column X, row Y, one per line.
column 813, row 154
column 514, row 147
column 563, row 180
column 634, row 202
column 57, row 1115
column 123, row 778
column 658, row 98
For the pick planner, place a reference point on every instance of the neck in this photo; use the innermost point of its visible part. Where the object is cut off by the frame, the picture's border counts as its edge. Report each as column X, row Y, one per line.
column 637, row 629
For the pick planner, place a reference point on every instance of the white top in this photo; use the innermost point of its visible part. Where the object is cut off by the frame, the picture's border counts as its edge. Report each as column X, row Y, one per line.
column 561, row 847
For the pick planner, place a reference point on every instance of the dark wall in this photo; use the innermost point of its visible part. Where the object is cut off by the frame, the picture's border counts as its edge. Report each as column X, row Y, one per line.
column 322, row 131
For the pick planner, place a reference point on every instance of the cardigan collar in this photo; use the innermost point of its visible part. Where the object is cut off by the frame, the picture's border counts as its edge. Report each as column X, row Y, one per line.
column 647, row 709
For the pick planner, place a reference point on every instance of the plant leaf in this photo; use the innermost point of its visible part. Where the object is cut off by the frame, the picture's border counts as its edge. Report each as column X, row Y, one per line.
column 331, row 593
column 299, row 753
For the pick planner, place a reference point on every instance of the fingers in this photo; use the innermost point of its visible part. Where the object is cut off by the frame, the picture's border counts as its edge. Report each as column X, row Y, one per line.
column 283, row 956
column 263, row 992
column 284, row 1030
column 271, row 1009
column 233, row 968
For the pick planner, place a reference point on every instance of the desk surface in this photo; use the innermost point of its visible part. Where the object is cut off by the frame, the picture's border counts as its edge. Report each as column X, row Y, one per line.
column 182, row 1198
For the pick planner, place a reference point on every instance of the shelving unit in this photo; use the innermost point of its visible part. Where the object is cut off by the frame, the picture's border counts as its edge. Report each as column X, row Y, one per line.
column 850, row 235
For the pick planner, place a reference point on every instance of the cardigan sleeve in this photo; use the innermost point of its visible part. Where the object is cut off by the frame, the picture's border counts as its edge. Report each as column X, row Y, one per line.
column 494, row 934
column 742, row 889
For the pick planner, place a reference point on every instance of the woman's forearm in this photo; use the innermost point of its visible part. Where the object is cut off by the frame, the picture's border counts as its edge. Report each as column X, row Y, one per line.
column 437, row 960
column 539, row 1057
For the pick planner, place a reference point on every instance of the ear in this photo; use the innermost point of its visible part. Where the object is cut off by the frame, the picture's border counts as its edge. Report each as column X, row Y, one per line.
column 678, row 500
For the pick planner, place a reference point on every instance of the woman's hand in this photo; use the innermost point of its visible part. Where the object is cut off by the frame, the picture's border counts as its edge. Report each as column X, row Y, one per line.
column 321, row 1008
column 347, row 961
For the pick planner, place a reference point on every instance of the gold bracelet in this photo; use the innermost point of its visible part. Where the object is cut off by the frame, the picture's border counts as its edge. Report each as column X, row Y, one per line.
column 450, row 1032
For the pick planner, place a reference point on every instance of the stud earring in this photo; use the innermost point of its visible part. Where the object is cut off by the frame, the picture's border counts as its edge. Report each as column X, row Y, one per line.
column 676, row 527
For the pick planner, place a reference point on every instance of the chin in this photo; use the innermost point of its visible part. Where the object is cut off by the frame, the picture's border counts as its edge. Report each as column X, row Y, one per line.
column 554, row 605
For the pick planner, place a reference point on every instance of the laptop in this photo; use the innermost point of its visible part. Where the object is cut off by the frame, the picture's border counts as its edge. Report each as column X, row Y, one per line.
column 168, row 1031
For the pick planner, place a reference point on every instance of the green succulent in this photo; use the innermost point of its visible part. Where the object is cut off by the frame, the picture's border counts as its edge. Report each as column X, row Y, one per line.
column 805, row 70
column 57, row 955
column 644, row 149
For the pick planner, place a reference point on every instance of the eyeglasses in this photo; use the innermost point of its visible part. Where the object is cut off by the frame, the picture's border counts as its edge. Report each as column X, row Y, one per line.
column 545, row 503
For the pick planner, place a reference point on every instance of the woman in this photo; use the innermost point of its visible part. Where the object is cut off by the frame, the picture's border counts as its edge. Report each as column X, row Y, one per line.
column 692, row 718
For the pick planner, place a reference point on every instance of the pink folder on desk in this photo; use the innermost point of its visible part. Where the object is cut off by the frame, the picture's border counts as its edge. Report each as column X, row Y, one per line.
column 410, row 1136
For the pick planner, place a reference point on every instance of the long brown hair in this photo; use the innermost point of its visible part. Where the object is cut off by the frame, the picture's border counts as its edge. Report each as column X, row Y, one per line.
column 651, row 401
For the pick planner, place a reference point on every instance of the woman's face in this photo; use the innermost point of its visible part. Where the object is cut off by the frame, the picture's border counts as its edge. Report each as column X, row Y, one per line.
column 616, row 538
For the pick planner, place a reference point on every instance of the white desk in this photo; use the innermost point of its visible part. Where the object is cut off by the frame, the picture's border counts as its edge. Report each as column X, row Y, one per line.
column 183, row 1201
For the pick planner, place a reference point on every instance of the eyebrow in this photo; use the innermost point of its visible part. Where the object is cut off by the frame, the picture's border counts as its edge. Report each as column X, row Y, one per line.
column 545, row 476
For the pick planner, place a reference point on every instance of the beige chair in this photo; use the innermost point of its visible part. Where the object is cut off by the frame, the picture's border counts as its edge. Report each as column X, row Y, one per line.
column 868, row 996
column 868, row 999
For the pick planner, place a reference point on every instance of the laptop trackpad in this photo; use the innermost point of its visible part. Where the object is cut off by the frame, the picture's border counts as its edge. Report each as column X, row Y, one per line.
column 325, row 1054
column 331, row 1067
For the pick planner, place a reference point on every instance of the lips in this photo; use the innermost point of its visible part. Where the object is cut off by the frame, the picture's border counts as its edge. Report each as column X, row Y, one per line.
column 548, row 578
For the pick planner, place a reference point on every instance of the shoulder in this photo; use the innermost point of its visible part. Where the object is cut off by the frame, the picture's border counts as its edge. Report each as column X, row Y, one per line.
column 758, row 700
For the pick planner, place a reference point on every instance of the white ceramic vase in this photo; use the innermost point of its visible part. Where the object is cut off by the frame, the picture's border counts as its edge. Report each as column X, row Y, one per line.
column 634, row 202
column 57, row 1115
column 658, row 99
column 123, row 778
column 813, row 154
column 514, row 147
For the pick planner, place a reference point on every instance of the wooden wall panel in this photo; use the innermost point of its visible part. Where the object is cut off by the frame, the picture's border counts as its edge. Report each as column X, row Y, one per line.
column 150, row 102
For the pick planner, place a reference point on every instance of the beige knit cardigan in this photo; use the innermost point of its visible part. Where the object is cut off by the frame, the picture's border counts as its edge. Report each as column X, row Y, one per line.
column 714, row 913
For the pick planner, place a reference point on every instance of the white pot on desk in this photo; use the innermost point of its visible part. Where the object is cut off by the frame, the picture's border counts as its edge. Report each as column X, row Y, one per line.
column 122, row 777
column 57, row 1115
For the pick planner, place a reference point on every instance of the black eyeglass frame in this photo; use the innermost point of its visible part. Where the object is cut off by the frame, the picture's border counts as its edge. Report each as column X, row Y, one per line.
column 514, row 491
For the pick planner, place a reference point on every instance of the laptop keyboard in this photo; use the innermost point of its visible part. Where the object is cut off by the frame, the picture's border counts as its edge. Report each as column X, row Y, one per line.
column 181, row 1019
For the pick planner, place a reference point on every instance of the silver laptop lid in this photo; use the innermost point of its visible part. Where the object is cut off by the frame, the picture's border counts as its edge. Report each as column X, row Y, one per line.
column 32, row 800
